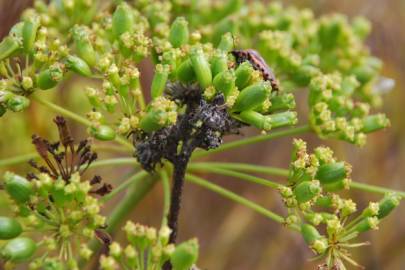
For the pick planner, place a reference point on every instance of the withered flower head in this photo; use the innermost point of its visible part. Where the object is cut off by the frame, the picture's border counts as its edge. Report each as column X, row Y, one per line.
column 63, row 158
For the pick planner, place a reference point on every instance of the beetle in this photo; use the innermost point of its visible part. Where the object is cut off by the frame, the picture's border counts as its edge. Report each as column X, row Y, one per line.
column 258, row 63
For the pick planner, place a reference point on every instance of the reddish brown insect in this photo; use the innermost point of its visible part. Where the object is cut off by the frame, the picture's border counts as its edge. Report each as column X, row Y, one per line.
column 257, row 63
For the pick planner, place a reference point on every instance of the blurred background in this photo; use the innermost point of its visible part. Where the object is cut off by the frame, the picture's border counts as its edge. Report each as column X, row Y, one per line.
column 231, row 236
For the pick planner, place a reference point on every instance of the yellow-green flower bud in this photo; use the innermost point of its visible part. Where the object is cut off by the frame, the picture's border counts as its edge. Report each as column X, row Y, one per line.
column 17, row 103
column 374, row 122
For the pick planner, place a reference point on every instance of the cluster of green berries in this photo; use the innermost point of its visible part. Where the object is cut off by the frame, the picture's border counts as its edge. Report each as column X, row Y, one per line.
column 313, row 205
column 149, row 249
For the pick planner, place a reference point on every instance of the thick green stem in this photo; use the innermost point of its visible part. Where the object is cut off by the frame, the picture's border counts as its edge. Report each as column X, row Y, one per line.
column 114, row 161
column 226, row 172
column 375, row 189
column 77, row 118
column 166, row 195
column 234, row 197
column 253, row 140
column 133, row 179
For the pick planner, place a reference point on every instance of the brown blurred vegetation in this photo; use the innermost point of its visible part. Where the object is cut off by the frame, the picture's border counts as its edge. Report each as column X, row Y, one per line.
column 233, row 237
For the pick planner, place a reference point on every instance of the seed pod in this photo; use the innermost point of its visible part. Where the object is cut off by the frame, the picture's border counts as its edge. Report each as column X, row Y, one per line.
column 374, row 122
column 201, row 67
column 185, row 72
column 225, row 82
column 78, row 65
column 282, row 119
column 123, row 20
column 306, row 191
column 310, row 233
column 9, row 228
column 17, row 31
column 8, row 46
column 366, row 224
column 19, row 188
column 159, row 80
column 50, row 77
column 18, row 250
column 179, row 33
column 227, row 25
column 331, row 173
column 83, row 45
column 252, row 96
column 226, row 44
column 255, row 119
column 152, row 121
column 219, row 63
column 387, row 204
column 185, row 255
column 29, row 33
column 243, row 74
column 282, row 102
column 17, row 103
column 103, row 133
column 335, row 186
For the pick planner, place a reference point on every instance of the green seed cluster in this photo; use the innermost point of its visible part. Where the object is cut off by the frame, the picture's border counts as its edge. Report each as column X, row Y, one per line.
column 148, row 249
column 63, row 212
column 314, row 206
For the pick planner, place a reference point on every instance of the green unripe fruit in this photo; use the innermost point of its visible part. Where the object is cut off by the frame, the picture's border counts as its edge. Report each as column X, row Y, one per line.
column 282, row 102
column 123, row 20
column 361, row 27
column 18, row 250
column 50, row 77
column 152, row 121
column 159, row 80
column 252, row 96
column 255, row 119
column 331, row 173
column 78, row 65
column 243, row 74
column 366, row 224
column 226, row 44
column 225, row 82
column 83, row 45
column 387, row 204
column 324, row 201
column 103, row 133
column 219, row 63
column 282, row 119
column 374, row 122
column 29, row 33
column 179, row 33
column 306, row 191
column 185, row 72
column 17, row 103
column 334, row 186
column 8, row 46
column 310, row 233
column 227, row 25
column 19, row 188
column 9, row 228
column 201, row 67
column 185, row 255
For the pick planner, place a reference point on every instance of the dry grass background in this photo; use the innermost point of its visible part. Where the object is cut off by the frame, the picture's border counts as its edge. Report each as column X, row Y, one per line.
column 233, row 237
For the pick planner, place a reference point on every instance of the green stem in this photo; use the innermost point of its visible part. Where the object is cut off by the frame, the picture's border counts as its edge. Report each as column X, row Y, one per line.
column 133, row 179
column 17, row 160
column 114, row 161
column 244, row 167
column 375, row 189
column 166, row 195
column 234, row 197
column 253, row 140
column 77, row 118
column 226, row 172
